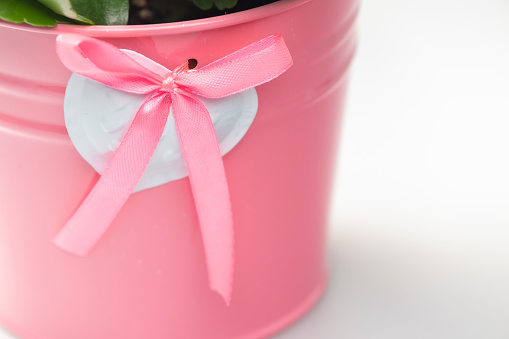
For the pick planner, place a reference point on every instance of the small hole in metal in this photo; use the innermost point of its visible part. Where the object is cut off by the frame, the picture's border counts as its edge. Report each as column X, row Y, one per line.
column 192, row 63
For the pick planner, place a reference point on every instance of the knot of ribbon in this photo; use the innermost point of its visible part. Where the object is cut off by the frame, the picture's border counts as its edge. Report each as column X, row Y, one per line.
column 131, row 72
column 168, row 83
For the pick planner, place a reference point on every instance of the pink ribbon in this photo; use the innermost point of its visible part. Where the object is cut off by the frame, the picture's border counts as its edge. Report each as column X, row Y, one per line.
column 131, row 72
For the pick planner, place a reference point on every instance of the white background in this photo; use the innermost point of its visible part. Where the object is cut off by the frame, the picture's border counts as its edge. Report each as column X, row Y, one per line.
column 420, row 235
column 420, row 218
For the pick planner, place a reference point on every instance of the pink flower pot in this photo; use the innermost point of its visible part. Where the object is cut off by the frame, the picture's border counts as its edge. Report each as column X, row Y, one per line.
column 147, row 278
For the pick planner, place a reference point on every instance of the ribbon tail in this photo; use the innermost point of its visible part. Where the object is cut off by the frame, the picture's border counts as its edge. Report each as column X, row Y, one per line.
column 204, row 162
column 119, row 179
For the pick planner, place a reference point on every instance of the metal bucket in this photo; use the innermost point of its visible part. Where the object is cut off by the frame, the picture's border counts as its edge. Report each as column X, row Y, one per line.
column 147, row 278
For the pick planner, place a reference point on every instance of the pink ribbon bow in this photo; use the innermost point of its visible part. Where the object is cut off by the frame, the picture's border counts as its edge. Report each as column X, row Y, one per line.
column 131, row 72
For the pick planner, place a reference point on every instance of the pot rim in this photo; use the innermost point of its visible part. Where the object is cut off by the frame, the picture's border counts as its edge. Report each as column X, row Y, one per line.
column 120, row 31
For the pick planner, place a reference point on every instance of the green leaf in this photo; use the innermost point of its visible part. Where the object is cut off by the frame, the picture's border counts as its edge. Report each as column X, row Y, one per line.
column 28, row 11
column 101, row 12
column 204, row 4
column 64, row 7
column 220, row 4
column 225, row 4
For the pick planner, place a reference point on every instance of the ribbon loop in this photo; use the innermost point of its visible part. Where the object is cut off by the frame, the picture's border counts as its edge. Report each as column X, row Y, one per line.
column 105, row 63
column 249, row 67
column 132, row 72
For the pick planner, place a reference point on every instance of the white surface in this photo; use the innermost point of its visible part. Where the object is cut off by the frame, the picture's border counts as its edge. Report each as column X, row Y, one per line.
column 420, row 233
column 97, row 118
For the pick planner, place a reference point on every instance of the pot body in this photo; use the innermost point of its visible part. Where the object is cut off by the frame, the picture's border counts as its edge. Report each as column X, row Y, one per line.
column 146, row 278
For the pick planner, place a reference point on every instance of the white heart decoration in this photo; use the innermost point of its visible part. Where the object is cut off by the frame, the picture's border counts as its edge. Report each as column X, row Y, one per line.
column 97, row 118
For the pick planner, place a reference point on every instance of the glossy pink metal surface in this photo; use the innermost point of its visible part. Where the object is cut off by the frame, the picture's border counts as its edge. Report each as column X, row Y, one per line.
column 147, row 278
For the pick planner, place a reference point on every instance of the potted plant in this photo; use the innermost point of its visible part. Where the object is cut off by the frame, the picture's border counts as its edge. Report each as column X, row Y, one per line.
column 228, row 93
